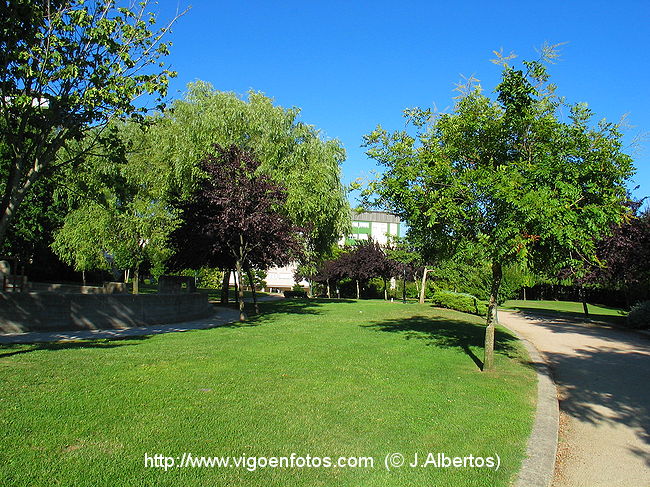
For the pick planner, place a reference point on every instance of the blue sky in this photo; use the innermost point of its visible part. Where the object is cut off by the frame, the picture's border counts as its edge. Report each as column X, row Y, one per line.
column 350, row 65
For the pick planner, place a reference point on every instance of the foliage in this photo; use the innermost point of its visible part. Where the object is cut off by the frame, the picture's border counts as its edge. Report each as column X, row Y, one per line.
column 207, row 277
column 233, row 220
column 120, row 216
column 459, row 302
column 68, row 67
column 235, row 209
column 639, row 315
column 626, row 253
column 291, row 152
column 507, row 176
column 365, row 261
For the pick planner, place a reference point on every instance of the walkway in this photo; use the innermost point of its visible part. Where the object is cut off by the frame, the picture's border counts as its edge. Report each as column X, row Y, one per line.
column 603, row 379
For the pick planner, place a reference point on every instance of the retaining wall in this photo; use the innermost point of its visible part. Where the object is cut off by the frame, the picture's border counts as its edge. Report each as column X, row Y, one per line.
column 22, row 312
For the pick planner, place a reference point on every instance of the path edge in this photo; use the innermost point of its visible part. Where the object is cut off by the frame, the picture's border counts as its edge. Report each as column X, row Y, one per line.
column 538, row 466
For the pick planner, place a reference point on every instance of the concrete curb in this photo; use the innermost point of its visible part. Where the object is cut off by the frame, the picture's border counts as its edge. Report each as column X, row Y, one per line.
column 539, row 464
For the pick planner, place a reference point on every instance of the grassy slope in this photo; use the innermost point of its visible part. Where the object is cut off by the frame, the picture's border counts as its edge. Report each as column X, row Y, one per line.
column 568, row 309
column 327, row 379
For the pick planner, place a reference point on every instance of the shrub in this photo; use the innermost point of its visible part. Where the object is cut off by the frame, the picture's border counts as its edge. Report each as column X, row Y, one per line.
column 460, row 302
column 639, row 316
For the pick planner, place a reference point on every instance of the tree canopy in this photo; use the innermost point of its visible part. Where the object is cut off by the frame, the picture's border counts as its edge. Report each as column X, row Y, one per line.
column 68, row 67
column 293, row 153
column 233, row 220
column 509, row 175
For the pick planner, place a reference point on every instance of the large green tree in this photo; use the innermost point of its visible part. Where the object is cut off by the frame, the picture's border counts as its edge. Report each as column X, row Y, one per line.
column 510, row 175
column 291, row 152
column 120, row 214
column 68, row 67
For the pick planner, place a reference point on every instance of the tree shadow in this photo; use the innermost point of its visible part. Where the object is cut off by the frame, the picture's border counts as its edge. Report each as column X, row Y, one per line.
column 448, row 333
column 9, row 350
column 601, row 330
column 606, row 385
column 599, row 318
column 602, row 375
column 281, row 306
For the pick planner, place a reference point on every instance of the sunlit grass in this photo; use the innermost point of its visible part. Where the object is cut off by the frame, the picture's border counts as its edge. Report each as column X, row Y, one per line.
column 363, row 378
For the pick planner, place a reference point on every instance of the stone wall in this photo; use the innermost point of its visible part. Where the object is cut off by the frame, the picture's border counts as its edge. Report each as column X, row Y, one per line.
column 22, row 312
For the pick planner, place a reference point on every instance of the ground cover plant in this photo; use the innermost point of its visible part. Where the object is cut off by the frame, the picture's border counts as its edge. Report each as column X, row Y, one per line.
column 318, row 377
column 569, row 309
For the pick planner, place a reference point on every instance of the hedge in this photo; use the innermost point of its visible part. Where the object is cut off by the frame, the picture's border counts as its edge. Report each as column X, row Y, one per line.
column 460, row 302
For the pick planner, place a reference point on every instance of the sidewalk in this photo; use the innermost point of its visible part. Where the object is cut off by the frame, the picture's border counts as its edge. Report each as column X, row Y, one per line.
column 602, row 376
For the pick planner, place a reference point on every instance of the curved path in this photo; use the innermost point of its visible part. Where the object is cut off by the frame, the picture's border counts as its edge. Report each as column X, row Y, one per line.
column 603, row 379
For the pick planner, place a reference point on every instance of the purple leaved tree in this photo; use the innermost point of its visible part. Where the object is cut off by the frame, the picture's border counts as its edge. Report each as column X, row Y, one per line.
column 234, row 219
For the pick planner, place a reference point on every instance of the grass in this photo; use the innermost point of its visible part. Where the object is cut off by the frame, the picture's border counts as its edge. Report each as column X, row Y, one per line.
column 349, row 378
column 214, row 295
column 570, row 310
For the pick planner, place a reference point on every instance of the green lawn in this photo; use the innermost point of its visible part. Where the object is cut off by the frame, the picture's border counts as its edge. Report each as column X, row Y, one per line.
column 214, row 295
column 315, row 378
column 569, row 309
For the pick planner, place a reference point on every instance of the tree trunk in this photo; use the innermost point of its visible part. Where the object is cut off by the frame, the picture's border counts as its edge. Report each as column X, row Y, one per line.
column 488, row 360
column 328, row 289
column 136, row 279
column 15, row 191
column 126, row 276
column 357, row 288
column 424, row 285
column 385, row 290
column 583, row 299
column 83, row 277
column 225, row 286
column 524, row 293
column 404, row 286
column 240, row 261
column 250, row 279
column 240, row 291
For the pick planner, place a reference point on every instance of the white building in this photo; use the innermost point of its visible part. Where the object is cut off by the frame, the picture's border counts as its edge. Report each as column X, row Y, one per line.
column 368, row 224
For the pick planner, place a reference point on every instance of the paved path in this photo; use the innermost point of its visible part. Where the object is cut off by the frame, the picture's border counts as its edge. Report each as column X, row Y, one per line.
column 603, row 379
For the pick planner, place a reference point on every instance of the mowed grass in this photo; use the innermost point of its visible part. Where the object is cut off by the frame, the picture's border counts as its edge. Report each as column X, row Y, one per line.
column 316, row 378
column 569, row 310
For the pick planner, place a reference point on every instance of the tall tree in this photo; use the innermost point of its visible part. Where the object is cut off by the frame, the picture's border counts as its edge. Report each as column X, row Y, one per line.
column 233, row 220
column 508, row 175
column 293, row 153
column 120, row 211
column 66, row 67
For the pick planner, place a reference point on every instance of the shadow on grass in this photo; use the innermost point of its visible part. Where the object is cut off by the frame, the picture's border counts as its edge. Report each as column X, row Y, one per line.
column 103, row 343
column 280, row 306
column 442, row 332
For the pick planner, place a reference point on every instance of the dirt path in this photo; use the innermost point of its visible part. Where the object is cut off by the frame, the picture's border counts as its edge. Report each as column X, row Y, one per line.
column 603, row 379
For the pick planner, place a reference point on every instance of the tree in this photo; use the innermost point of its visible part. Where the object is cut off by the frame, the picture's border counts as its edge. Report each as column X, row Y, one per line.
column 625, row 254
column 233, row 220
column 508, row 175
column 68, row 67
column 292, row 153
column 365, row 261
column 120, row 211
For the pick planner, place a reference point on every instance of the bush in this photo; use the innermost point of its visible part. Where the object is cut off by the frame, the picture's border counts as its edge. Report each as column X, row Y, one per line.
column 460, row 302
column 639, row 316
